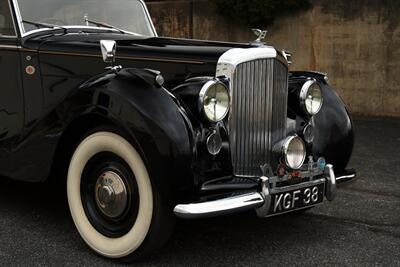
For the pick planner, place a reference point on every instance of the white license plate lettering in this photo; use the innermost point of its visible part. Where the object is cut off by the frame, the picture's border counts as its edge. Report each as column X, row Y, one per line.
column 297, row 199
column 278, row 202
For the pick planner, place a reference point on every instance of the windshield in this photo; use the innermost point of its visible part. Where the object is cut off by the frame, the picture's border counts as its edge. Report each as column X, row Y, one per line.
column 129, row 15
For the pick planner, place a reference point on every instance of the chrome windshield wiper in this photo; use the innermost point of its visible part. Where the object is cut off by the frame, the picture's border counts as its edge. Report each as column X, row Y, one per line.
column 102, row 24
column 44, row 25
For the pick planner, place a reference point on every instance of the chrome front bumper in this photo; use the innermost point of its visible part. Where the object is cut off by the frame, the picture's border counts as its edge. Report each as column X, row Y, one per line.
column 260, row 201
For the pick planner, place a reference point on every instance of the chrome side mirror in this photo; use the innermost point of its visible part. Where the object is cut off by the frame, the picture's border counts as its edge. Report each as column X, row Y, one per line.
column 108, row 49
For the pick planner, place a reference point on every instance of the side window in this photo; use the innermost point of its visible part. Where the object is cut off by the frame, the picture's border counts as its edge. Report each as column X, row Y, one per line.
column 6, row 23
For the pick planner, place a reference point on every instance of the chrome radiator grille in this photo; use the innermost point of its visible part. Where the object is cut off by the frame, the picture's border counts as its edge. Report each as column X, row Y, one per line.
column 258, row 114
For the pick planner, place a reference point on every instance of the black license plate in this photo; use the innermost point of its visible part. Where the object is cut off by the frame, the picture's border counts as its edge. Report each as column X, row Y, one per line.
column 297, row 198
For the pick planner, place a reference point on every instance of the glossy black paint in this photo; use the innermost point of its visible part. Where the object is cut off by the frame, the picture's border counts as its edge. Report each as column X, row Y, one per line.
column 45, row 114
column 66, row 61
column 333, row 127
column 205, row 165
column 11, row 103
column 153, row 122
column 177, row 59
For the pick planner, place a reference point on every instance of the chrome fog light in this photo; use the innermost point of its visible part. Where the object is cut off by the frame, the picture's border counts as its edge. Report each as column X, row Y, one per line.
column 311, row 97
column 215, row 100
column 293, row 150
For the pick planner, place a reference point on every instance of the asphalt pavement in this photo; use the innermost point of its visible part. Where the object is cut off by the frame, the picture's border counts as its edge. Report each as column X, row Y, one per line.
column 361, row 227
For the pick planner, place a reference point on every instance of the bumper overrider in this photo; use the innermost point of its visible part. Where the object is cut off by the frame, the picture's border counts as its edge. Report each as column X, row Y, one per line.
column 270, row 200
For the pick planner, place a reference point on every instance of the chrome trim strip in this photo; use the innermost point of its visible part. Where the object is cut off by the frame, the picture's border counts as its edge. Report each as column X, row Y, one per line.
column 220, row 206
column 149, row 17
column 8, row 37
column 11, row 47
column 117, row 57
column 21, row 28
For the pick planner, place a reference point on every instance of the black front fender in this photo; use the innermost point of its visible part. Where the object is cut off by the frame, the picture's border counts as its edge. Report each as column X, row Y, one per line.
column 333, row 126
column 153, row 119
column 334, row 134
column 131, row 101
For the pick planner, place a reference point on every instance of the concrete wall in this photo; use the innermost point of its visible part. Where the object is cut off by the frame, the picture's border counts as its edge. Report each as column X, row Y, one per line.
column 356, row 42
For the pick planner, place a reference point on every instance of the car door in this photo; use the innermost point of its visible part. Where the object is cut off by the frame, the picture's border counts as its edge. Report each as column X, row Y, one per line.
column 11, row 93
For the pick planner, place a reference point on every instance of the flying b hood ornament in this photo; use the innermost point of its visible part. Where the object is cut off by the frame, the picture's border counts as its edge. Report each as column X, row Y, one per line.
column 261, row 34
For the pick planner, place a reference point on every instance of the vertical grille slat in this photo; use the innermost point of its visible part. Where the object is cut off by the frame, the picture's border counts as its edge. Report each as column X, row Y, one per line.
column 258, row 115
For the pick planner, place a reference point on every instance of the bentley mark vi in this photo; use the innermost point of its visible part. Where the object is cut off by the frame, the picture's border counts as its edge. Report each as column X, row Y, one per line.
column 145, row 129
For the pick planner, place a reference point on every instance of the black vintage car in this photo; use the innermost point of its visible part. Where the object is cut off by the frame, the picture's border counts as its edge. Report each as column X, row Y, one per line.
column 145, row 128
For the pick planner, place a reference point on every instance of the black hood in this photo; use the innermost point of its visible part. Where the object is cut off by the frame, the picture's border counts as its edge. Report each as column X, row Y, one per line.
column 129, row 45
column 177, row 59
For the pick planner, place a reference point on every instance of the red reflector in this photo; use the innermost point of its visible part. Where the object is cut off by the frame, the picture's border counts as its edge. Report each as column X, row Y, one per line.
column 295, row 174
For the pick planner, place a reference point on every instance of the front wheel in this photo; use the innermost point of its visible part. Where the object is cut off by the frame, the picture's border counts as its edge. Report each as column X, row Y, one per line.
column 113, row 203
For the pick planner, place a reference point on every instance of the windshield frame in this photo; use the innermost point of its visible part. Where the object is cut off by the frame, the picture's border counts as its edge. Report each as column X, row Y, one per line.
column 21, row 28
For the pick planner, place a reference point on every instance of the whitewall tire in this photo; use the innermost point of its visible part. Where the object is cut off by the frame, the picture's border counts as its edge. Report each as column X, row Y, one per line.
column 134, row 233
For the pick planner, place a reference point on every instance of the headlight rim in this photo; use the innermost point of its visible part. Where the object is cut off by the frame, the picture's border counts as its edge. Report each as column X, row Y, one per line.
column 303, row 96
column 285, row 149
column 203, row 93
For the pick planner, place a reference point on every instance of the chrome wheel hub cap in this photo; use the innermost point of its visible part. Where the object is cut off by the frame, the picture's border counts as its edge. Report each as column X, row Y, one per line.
column 111, row 194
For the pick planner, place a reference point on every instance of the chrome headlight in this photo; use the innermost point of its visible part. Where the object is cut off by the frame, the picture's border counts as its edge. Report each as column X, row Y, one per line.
column 293, row 150
column 215, row 100
column 311, row 97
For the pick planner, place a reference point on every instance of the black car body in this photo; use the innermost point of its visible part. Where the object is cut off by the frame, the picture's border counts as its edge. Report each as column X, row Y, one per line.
column 57, row 91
